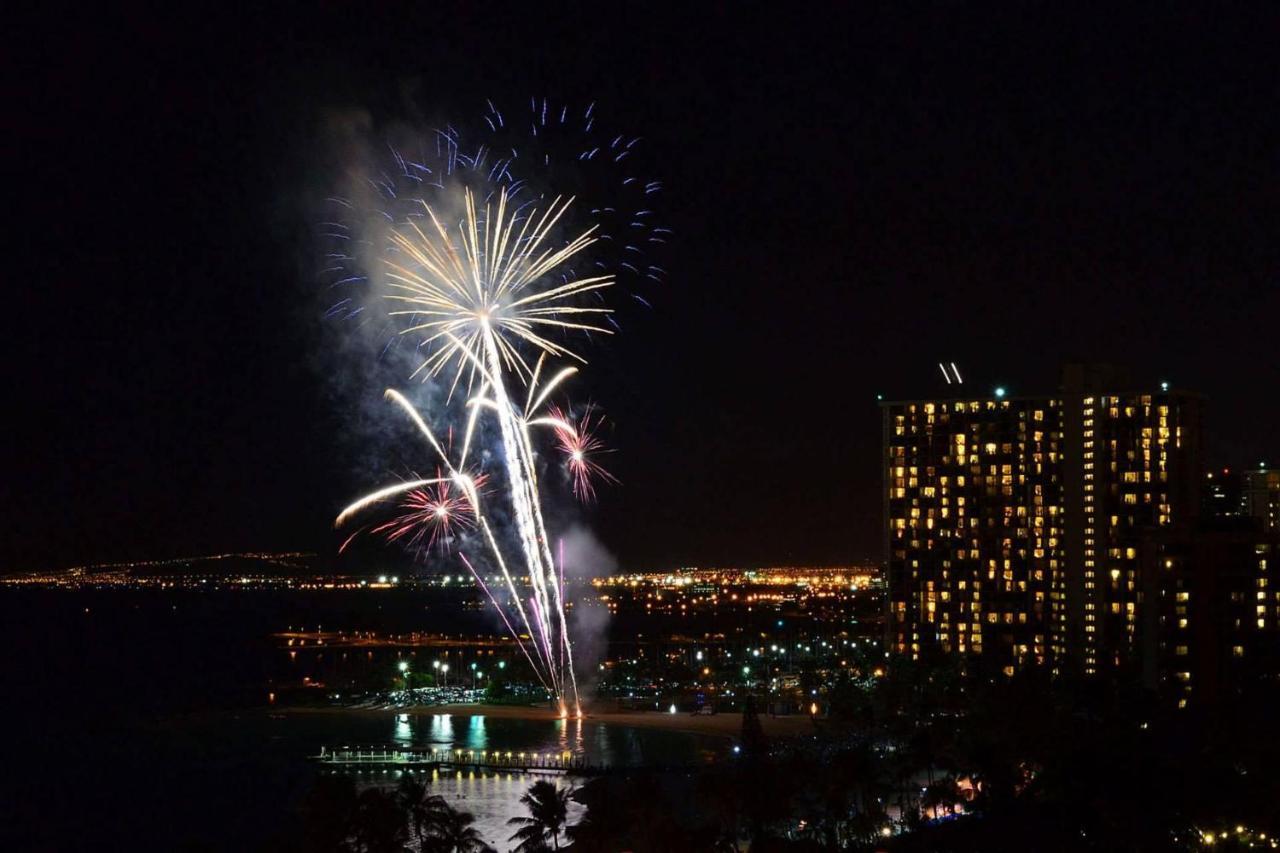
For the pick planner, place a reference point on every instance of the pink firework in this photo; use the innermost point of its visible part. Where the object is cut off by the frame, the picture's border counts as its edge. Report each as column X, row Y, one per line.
column 579, row 443
column 431, row 516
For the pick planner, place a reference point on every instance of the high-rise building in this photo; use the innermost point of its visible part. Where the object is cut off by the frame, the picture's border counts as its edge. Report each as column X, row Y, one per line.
column 973, row 491
column 1014, row 524
column 1132, row 465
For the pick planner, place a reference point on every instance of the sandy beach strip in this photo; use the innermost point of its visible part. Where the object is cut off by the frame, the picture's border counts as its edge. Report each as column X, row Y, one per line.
column 727, row 725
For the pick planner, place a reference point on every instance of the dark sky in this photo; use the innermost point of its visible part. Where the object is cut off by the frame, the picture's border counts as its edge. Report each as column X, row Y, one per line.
column 855, row 198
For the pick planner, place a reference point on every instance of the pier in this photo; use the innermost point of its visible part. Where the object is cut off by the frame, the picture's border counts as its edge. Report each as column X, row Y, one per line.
column 356, row 757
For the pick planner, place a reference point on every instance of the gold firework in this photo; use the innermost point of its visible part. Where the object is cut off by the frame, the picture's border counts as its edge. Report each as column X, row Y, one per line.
column 482, row 288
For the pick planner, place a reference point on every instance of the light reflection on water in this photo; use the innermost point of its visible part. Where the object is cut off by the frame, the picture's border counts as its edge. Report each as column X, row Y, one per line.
column 598, row 743
column 492, row 796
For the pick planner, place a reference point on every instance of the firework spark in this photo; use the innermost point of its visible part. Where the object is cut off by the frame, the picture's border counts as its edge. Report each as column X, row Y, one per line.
column 432, row 515
column 579, row 442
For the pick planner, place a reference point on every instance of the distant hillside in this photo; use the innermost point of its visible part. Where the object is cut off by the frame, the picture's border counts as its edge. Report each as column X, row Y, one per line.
column 290, row 564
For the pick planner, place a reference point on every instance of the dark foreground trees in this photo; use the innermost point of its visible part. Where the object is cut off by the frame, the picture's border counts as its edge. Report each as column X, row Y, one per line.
column 926, row 759
column 335, row 819
column 917, row 760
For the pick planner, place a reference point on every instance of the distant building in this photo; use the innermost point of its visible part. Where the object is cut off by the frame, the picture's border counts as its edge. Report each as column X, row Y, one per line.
column 1252, row 494
column 1213, row 629
column 1013, row 524
column 1222, row 494
column 1261, row 496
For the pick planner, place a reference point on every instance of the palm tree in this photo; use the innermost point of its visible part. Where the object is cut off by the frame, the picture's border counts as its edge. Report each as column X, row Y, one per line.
column 941, row 795
column 412, row 795
column 378, row 825
column 548, row 811
column 449, row 830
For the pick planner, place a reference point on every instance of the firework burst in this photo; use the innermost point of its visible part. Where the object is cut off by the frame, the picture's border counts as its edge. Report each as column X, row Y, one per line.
column 478, row 299
column 475, row 299
column 477, row 277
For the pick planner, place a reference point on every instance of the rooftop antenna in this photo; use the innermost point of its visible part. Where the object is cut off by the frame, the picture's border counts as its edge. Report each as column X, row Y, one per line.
column 955, row 371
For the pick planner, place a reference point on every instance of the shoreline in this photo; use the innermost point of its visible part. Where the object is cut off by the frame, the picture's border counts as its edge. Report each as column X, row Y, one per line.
column 726, row 725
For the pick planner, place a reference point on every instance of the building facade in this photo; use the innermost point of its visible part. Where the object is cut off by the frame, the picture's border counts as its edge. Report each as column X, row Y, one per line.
column 1014, row 525
column 1261, row 496
column 1213, row 630
column 974, row 540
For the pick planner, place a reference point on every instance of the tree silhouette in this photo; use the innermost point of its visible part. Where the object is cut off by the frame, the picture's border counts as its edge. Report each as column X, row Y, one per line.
column 449, row 830
column 754, row 743
column 411, row 793
column 378, row 825
column 327, row 814
column 548, row 811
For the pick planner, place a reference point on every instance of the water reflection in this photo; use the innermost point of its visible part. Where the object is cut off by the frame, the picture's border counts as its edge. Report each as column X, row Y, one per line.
column 493, row 797
column 569, row 735
column 598, row 743
column 441, row 730
column 288, row 741
column 404, row 731
column 476, row 734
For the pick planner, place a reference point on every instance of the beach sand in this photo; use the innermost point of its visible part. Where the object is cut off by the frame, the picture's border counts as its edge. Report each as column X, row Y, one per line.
column 727, row 725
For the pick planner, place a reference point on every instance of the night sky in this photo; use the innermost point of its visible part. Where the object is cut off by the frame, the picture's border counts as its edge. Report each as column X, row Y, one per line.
column 854, row 199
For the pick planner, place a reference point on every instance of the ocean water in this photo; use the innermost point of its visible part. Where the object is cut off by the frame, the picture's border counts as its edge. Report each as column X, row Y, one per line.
column 175, row 783
column 137, row 722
